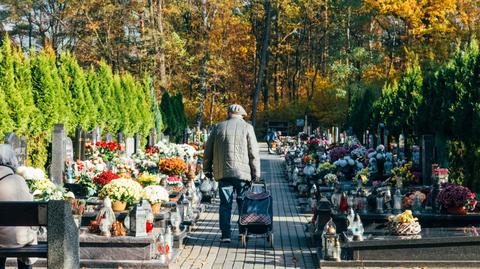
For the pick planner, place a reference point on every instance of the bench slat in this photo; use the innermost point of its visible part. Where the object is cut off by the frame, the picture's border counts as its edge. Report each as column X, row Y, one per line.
column 40, row 251
column 23, row 213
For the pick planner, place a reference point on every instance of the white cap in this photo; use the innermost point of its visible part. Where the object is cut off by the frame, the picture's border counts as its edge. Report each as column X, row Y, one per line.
column 237, row 109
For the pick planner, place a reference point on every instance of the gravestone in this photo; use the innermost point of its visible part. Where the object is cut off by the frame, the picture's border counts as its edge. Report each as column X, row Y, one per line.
column 152, row 138
column 62, row 237
column 19, row 145
column 401, row 147
column 130, row 146
column 69, row 150
column 76, row 143
column 336, row 134
column 120, row 138
column 96, row 135
column 138, row 143
column 57, row 166
column 371, row 142
column 109, row 137
column 83, row 142
column 427, row 158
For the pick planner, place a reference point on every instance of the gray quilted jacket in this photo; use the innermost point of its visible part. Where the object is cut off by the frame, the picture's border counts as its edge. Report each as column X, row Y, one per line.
column 232, row 151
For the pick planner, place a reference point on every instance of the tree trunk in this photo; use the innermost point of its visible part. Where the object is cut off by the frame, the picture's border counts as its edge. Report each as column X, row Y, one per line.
column 203, row 67
column 263, row 59
column 161, row 47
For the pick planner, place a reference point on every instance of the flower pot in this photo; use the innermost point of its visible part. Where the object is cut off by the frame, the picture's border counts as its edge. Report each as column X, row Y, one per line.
column 156, row 208
column 119, row 206
column 459, row 210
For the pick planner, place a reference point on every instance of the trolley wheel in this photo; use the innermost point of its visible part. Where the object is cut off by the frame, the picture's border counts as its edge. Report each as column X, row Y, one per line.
column 270, row 239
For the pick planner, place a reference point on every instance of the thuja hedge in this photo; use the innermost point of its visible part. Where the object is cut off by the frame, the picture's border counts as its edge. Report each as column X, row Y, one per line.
column 41, row 90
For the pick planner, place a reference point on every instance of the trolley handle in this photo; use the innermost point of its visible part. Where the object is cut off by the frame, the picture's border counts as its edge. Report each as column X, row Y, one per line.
column 259, row 184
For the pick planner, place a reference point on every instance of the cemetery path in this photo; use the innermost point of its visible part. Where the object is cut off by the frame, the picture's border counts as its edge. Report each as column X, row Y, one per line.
column 291, row 245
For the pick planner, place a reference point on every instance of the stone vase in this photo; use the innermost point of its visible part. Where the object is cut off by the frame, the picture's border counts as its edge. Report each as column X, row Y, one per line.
column 119, row 206
column 156, row 208
column 459, row 210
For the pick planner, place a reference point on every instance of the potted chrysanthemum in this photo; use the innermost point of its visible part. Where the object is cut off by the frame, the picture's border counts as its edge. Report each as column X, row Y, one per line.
column 122, row 191
column 156, row 196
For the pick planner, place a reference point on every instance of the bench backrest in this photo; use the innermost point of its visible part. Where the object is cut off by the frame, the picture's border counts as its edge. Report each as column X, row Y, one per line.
column 23, row 213
column 62, row 232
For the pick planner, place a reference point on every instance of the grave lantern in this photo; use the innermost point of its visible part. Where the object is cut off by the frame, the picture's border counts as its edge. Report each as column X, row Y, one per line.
column 330, row 242
column 138, row 219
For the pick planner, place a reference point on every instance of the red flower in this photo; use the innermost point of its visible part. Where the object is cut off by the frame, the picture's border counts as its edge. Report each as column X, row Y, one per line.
column 104, row 178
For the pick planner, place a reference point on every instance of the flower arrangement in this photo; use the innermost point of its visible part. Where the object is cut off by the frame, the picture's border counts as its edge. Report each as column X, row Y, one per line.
column 155, row 194
column 104, row 178
column 123, row 190
column 451, row 196
column 147, row 179
column 410, row 198
column 106, row 150
column 326, row 168
column 44, row 190
column 358, row 152
column 31, row 173
column 125, row 167
column 404, row 224
column 174, row 182
column 337, row 153
column 330, row 178
column 173, row 166
column 403, row 172
column 363, row 175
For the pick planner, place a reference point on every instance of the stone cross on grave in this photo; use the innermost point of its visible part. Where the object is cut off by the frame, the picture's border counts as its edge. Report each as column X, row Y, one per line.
column 19, row 145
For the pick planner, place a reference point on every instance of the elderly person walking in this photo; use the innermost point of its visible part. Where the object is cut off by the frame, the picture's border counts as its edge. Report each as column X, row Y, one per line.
column 232, row 157
column 13, row 188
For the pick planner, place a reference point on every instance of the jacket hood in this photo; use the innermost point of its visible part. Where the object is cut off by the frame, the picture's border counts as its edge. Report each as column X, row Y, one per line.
column 5, row 170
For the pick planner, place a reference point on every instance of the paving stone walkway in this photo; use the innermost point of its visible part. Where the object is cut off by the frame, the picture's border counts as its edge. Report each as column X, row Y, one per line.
column 291, row 246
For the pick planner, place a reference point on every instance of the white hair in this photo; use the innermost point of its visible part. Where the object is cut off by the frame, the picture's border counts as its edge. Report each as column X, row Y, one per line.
column 8, row 156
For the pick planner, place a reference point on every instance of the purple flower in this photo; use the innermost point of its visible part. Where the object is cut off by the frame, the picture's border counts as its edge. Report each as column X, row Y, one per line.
column 453, row 195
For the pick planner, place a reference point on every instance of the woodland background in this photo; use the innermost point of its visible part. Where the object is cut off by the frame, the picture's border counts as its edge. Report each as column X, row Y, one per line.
column 412, row 64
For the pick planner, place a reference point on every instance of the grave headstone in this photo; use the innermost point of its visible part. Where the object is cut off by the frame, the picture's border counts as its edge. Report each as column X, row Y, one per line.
column 19, row 145
column 401, row 147
column 371, row 142
column 130, row 146
column 83, row 142
column 120, row 138
column 96, row 135
column 57, row 166
column 427, row 153
column 76, row 143
column 109, row 137
column 69, row 149
column 63, row 239
column 138, row 142
column 336, row 134
column 152, row 138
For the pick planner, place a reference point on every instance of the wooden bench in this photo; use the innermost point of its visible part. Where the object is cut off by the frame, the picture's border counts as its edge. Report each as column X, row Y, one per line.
column 62, row 246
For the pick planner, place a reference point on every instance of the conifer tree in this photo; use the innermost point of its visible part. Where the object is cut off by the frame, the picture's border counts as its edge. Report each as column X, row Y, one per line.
column 168, row 114
column 107, row 91
column 23, row 83
column 16, row 109
column 119, row 102
column 94, row 87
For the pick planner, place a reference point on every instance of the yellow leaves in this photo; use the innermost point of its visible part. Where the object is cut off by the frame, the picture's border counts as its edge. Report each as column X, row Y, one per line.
column 420, row 16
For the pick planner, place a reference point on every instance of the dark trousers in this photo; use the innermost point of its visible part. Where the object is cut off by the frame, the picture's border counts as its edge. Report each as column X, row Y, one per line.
column 21, row 265
column 227, row 188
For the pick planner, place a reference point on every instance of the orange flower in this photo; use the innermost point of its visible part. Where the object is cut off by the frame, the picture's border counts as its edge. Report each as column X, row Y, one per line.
column 173, row 166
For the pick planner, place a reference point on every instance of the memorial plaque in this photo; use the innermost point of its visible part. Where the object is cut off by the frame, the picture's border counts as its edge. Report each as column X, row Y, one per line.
column 152, row 138
column 19, row 146
column 138, row 143
column 96, row 135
